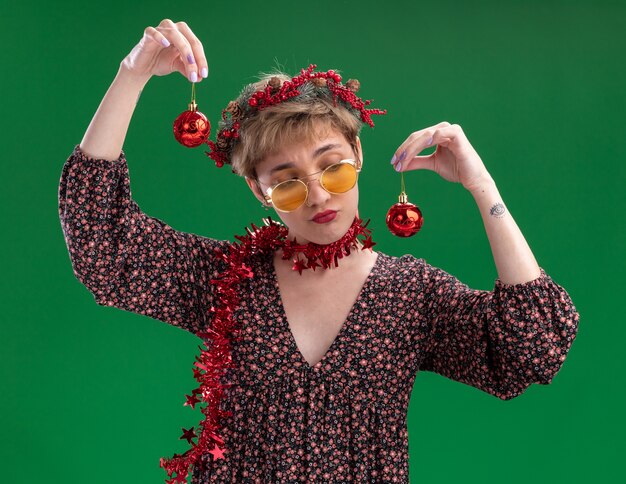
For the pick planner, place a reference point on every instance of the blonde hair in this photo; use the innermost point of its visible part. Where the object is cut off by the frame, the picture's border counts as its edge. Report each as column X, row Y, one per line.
column 300, row 120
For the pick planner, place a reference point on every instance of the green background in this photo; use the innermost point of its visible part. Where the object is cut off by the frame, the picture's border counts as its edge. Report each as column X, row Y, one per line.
column 94, row 394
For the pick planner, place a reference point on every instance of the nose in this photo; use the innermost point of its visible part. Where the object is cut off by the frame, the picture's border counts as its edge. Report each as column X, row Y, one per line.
column 317, row 195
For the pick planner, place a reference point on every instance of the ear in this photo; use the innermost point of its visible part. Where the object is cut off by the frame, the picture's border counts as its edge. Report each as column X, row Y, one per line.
column 359, row 152
column 255, row 190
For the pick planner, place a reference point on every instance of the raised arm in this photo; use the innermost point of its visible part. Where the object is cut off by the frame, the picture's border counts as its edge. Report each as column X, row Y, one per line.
column 169, row 47
column 126, row 258
column 456, row 160
column 499, row 341
column 105, row 135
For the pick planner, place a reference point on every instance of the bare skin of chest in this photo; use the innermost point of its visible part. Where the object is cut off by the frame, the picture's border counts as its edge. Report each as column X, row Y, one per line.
column 317, row 304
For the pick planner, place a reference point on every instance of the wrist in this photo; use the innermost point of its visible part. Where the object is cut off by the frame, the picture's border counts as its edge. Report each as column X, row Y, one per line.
column 130, row 78
column 481, row 184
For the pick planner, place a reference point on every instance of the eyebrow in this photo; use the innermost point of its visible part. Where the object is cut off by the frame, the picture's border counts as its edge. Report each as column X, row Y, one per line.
column 319, row 151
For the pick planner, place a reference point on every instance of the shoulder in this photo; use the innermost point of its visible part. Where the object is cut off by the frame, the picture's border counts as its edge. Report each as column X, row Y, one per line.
column 403, row 262
column 405, row 267
column 206, row 245
column 204, row 251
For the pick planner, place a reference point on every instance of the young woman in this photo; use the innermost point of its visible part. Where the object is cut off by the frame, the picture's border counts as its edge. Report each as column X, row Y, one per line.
column 315, row 384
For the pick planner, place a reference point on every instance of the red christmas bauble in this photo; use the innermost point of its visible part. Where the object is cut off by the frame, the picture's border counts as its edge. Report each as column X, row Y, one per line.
column 192, row 128
column 404, row 219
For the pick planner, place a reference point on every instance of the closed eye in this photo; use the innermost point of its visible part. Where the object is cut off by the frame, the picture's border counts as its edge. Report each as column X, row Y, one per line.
column 322, row 167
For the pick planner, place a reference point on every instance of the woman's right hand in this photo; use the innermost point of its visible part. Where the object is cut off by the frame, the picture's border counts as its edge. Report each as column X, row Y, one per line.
column 167, row 48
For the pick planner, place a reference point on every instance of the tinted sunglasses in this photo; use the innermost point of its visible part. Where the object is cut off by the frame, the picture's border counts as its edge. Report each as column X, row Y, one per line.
column 289, row 195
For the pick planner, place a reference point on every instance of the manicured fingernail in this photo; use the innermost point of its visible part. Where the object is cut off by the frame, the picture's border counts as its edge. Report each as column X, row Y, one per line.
column 165, row 42
column 399, row 166
column 430, row 141
column 190, row 58
column 402, row 155
column 193, row 76
column 393, row 160
column 205, row 72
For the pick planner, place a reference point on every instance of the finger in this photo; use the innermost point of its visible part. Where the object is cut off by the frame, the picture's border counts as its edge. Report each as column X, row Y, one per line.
column 424, row 162
column 445, row 136
column 156, row 36
column 198, row 49
column 180, row 42
column 419, row 138
column 452, row 133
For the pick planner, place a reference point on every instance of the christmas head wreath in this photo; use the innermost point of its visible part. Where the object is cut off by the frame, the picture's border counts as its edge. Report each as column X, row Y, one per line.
column 307, row 85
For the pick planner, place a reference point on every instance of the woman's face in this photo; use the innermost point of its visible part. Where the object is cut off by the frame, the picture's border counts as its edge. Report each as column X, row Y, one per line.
column 298, row 160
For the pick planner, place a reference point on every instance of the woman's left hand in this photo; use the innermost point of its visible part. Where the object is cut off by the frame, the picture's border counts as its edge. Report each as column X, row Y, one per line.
column 454, row 159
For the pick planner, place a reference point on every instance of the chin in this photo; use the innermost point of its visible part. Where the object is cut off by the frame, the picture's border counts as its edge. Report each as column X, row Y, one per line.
column 329, row 232
column 318, row 233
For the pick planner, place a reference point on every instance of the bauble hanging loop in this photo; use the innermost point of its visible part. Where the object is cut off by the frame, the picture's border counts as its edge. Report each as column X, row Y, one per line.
column 192, row 128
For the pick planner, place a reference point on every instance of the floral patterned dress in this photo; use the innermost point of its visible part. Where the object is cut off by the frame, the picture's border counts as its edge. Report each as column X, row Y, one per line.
column 343, row 419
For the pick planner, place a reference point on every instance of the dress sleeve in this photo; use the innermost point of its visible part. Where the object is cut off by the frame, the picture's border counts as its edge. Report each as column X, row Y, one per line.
column 127, row 259
column 499, row 341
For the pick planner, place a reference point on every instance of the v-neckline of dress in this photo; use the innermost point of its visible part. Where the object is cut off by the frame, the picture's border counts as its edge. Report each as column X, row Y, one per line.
column 293, row 345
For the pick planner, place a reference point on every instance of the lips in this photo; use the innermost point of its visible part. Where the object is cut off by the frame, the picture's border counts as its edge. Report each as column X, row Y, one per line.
column 325, row 216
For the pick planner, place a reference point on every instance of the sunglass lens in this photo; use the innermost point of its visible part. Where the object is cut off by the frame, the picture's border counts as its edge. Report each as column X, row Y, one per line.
column 289, row 195
column 339, row 178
